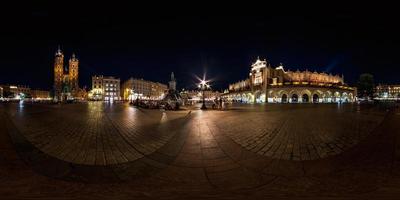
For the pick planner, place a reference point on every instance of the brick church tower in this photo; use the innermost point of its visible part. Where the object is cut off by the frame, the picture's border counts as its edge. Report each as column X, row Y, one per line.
column 73, row 70
column 58, row 73
column 66, row 85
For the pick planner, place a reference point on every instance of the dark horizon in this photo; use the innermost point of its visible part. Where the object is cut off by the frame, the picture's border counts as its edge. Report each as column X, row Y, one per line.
column 115, row 43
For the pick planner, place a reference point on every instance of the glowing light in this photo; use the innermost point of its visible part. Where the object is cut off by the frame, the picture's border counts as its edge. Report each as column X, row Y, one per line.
column 21, row 103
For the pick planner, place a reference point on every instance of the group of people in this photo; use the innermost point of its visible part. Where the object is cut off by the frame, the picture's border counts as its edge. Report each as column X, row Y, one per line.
column 218, row 104
column 154, row 104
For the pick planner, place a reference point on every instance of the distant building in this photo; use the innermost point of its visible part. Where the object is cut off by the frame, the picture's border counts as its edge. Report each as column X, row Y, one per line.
column 387, row 91
column 16, row 91
column 139, row 88
column 275, row 85
column 105, row 88
column 196, row 95
column 40, row 94
column 82, row 94
column 1, row 92
column 65, row 79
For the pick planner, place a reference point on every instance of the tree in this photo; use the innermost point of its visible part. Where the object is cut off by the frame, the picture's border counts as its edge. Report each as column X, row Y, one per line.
column 365, row 85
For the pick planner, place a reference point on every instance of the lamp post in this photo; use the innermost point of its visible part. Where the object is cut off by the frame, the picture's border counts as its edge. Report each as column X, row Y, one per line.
column 127, row 95
column 203, row 86
column 131, row 95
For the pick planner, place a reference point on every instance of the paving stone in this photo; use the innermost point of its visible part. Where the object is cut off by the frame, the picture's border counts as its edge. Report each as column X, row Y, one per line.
column 100, row 150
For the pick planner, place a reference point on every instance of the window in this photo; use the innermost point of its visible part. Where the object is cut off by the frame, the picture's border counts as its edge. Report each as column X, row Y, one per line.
column 258, row 78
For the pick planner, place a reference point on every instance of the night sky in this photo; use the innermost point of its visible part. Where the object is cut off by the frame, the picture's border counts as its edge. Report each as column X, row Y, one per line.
column 150, row 43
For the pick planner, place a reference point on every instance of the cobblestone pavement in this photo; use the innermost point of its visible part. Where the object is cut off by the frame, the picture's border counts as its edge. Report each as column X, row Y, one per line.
column 116, row 151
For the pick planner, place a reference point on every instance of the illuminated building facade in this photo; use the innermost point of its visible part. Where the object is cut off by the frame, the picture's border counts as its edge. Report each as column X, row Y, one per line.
column 40, row 94
column 1, row 92
column 81, row 95
column 387, row 92
column 275, row 85
column 143, row 89
column 66, row 85
column 16, row 91
column 24, row 92
column 106, row 88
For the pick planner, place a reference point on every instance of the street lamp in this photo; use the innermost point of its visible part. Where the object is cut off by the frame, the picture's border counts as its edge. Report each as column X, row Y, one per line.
column 131, row 95
column 203, row 86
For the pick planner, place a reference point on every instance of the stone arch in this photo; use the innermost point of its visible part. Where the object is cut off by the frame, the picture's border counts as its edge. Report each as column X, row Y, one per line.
column 345, row 97
column 336, row 96
column 351, row 97
column 237, row 97
column 243, row 97
column 271, row 93
column 305, row 98
column 280, row 95
column 293, row 93
column 257, row 95
column 284, row 98
column 272, row 97
column 328, row 96
column 317, row 96
column 305, row 95
column 306, row 91
column 294, row 98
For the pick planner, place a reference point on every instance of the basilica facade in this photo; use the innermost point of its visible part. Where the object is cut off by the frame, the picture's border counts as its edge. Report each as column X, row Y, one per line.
column 66, row 84
column 277, row 85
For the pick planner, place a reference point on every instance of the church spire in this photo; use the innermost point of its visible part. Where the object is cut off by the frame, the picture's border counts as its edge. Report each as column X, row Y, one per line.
column 58, row 52
column 73, row 57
